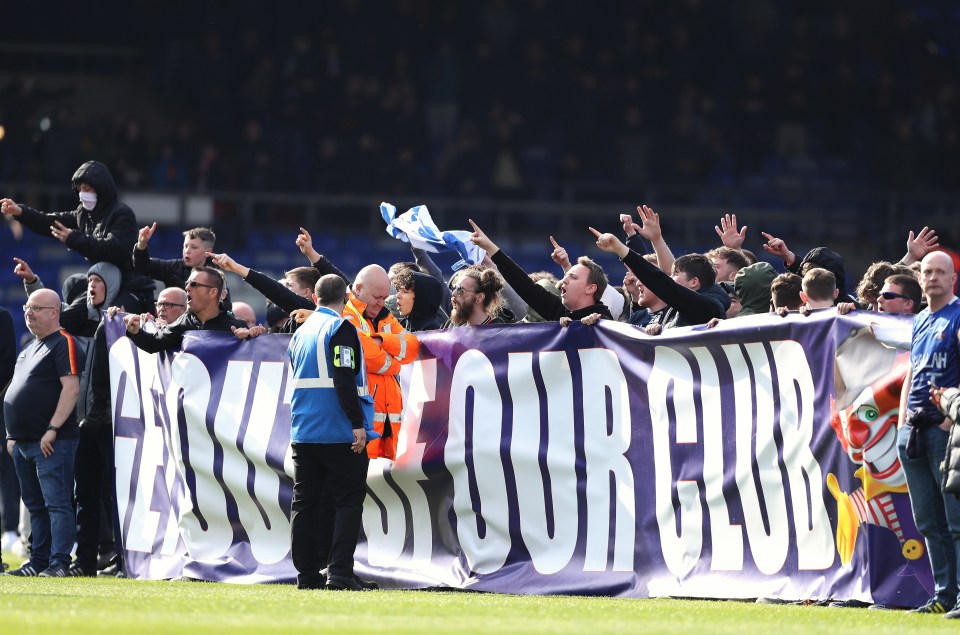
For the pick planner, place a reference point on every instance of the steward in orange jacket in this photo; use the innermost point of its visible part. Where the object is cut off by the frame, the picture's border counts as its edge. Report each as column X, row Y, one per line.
column 386, row 346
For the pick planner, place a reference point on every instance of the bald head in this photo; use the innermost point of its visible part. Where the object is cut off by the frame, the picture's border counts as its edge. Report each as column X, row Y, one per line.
column 245, row 312
column 42, row 314
column 372, row 287
column 171, row 304
column 937, row 279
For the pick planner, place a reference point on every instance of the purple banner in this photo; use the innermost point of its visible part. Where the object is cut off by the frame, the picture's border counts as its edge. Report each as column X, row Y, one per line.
column 756, row 459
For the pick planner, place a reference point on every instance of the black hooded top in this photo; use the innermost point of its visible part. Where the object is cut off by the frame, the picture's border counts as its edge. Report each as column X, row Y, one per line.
column 106, row 233
column 428, row 294
column 832, row 262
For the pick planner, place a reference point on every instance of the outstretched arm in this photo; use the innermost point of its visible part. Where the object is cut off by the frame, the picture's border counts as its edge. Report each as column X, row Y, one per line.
column 920, row 245
column 270, row 288
column 777, row 247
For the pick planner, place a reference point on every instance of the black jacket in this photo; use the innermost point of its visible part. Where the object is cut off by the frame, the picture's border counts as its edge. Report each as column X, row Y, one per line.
column 832, row 262
column 106, row 233
column 171, row 335
column 428, row 294
column 549, row 306
column 687, row 307
column 950, row 468
column 172, row 272
column 284, row 298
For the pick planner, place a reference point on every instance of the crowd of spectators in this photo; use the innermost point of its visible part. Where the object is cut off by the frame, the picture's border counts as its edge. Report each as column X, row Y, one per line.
column 502, row 98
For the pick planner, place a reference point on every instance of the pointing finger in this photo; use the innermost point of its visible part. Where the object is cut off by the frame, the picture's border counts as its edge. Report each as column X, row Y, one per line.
column 554, row 242
column 595, row 232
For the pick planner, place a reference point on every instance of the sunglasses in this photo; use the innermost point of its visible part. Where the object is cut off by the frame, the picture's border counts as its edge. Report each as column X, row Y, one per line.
column 193, row 284
column 890, row 295
column 458, row 290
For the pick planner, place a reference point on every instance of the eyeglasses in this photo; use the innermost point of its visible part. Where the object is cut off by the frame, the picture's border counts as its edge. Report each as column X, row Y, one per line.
column 168, row 305
column 33, row 308
column 193, row 283
column 890, row 295
column 458, row 290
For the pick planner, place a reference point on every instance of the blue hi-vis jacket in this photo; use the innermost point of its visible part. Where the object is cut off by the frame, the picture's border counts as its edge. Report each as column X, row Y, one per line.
column 316, row 413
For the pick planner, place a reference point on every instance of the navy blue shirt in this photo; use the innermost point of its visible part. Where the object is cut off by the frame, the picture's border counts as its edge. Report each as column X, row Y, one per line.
column 934, row 357
column 34, row 391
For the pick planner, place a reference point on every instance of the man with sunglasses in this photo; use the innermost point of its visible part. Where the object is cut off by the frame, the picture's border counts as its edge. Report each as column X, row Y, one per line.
column 203, row 314
column 900, row 294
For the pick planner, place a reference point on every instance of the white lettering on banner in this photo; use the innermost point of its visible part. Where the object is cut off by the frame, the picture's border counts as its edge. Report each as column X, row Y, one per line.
column 769, row 544
column 488, row 552
column 143, row 521
column 605, row 443
column 729, row 537
column 607, row 428
column 681, row 551
column 189, row 374
column 264, row 522
column 386, row 531
column 815, row 542
column 548, row 552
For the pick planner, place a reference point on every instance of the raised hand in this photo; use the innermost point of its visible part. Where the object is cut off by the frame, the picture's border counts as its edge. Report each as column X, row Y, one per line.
column 305, row 244
column 143, row 237
column 920, row 245
column 60, row 231
column 227, row 263
column 629, row 227
column 632, row 284
column 23, row 270
column 727, row 231
column 610, row 243
column 559, row 255
column 132, row 322
column 650, row 224
column 776, row 247
column 8, row 207
column 481, row 240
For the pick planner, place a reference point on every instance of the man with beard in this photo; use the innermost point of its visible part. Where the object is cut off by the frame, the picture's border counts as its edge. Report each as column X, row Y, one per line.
column 476, row 298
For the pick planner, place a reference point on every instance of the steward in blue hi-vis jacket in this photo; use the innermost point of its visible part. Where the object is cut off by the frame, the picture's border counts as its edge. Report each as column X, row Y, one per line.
column 332, row 418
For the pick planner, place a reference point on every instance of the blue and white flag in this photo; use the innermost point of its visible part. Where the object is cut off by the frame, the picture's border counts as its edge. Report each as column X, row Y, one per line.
column 416, row 226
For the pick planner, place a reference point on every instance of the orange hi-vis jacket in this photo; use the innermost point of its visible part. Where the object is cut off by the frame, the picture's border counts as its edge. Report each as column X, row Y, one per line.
column 383, row 369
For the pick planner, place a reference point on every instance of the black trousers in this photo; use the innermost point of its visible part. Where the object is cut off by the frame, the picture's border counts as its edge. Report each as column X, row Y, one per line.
column 329, row 485
column 94, row 490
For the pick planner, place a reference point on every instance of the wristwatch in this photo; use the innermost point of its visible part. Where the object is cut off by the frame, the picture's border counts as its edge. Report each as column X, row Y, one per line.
column 52, row 427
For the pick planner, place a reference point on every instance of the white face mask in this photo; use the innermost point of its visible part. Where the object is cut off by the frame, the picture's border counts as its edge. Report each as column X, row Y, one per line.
column 88, row 200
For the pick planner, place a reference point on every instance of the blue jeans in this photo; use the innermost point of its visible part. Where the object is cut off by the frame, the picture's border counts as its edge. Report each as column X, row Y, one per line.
column 46, row 487
column 937, row 516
